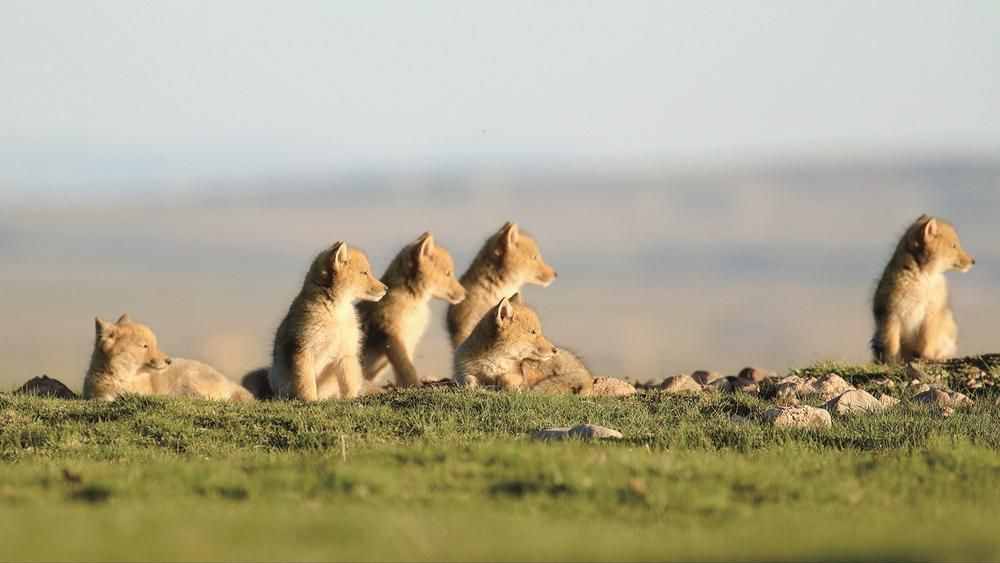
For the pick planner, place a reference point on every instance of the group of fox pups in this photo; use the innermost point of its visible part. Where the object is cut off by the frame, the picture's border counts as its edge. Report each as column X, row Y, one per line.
column 345, row 326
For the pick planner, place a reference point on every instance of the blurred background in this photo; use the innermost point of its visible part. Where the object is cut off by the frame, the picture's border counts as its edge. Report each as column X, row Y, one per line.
column 719, row 184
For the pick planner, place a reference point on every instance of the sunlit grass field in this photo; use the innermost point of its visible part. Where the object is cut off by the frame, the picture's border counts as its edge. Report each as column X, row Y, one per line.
column 440, row 474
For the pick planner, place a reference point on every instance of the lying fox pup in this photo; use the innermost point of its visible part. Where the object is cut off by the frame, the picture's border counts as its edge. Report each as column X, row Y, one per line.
column 507, row 261
column 317, row 349
column 394, row 325
column 126, row 359
column 912, row 316
column 492, row 355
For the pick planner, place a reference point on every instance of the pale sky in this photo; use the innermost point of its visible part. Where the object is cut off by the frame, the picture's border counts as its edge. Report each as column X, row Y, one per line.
column 120, row 91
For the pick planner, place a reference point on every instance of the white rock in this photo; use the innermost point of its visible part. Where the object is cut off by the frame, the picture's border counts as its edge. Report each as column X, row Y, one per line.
column 554, row 433
column 798, row 417
column 853, row 401
column 888, row 401
column 830, row 386
column 583, row 431
column 593, row 431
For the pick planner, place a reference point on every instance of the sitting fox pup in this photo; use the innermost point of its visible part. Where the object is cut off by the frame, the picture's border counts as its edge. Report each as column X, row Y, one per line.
column 394, row 325
column 317, row 348
column 508, row 260
column 493, row 354
column 126, row 359
column 912, row 316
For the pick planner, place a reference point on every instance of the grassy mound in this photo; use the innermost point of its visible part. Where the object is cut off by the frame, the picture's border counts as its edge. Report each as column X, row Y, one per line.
column 445, row 474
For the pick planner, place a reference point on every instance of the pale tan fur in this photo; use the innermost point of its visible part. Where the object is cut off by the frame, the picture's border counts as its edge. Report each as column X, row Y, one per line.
column 912, row 317
column 493, row 354
column 508, row 260
column 127, row 359
column 317, row 347
column 394, row 325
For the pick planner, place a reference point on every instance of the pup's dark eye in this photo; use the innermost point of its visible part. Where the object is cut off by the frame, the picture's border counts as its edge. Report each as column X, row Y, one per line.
column 534, row 331
column 146, row 346
column 364, row 273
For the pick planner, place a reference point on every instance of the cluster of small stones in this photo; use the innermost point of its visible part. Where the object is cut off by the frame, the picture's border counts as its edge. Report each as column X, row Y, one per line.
column 839, row 397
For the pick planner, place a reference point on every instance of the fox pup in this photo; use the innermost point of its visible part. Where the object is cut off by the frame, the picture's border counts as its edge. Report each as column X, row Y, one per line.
column 127, row 359
column 394, row 325
column 317, row 348
column 492, row 355
column 912, row 316
column 508, row 260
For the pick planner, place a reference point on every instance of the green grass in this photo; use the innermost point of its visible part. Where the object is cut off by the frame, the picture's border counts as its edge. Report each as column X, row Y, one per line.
column 442, row 474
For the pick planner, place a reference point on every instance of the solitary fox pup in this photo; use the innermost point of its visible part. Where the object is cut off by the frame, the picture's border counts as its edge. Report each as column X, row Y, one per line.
column 912, row 316
column 493, row 354
column 508, row 260
column 317, row 348
column 127, row 359
column 394, row 325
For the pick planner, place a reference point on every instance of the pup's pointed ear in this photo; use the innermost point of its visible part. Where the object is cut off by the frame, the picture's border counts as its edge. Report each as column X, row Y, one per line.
column 338, row 257
column 505, row 312
column 123, row 319
column 510, row 233
column 102, row 327
column 930, row 229
column 425, row 245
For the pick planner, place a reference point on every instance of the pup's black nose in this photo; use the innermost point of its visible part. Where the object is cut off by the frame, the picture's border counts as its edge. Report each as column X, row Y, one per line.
column 168, row 361
column 555, row 350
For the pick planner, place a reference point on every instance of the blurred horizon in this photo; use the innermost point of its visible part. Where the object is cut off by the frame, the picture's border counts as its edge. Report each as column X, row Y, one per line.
column 660, row 272
column 719, row 183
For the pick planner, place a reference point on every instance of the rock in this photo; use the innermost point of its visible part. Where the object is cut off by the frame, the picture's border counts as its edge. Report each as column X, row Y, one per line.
column 680, row 384
column 934, row 397
column 594, row 432
column 554, row 433
column 581, row 431
column 854, row 401
column 960, row 399
column 831, row 385
column 755, row 375
column 47, row 387
column 943, row 399
column 744, row 385
column 884, row 382
column 798, row 417
column 706, row 377
column 612, row 387
column 919, row 388
column 915, row 372
column 720, row 385
column 793, row 386
column 888, row 401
